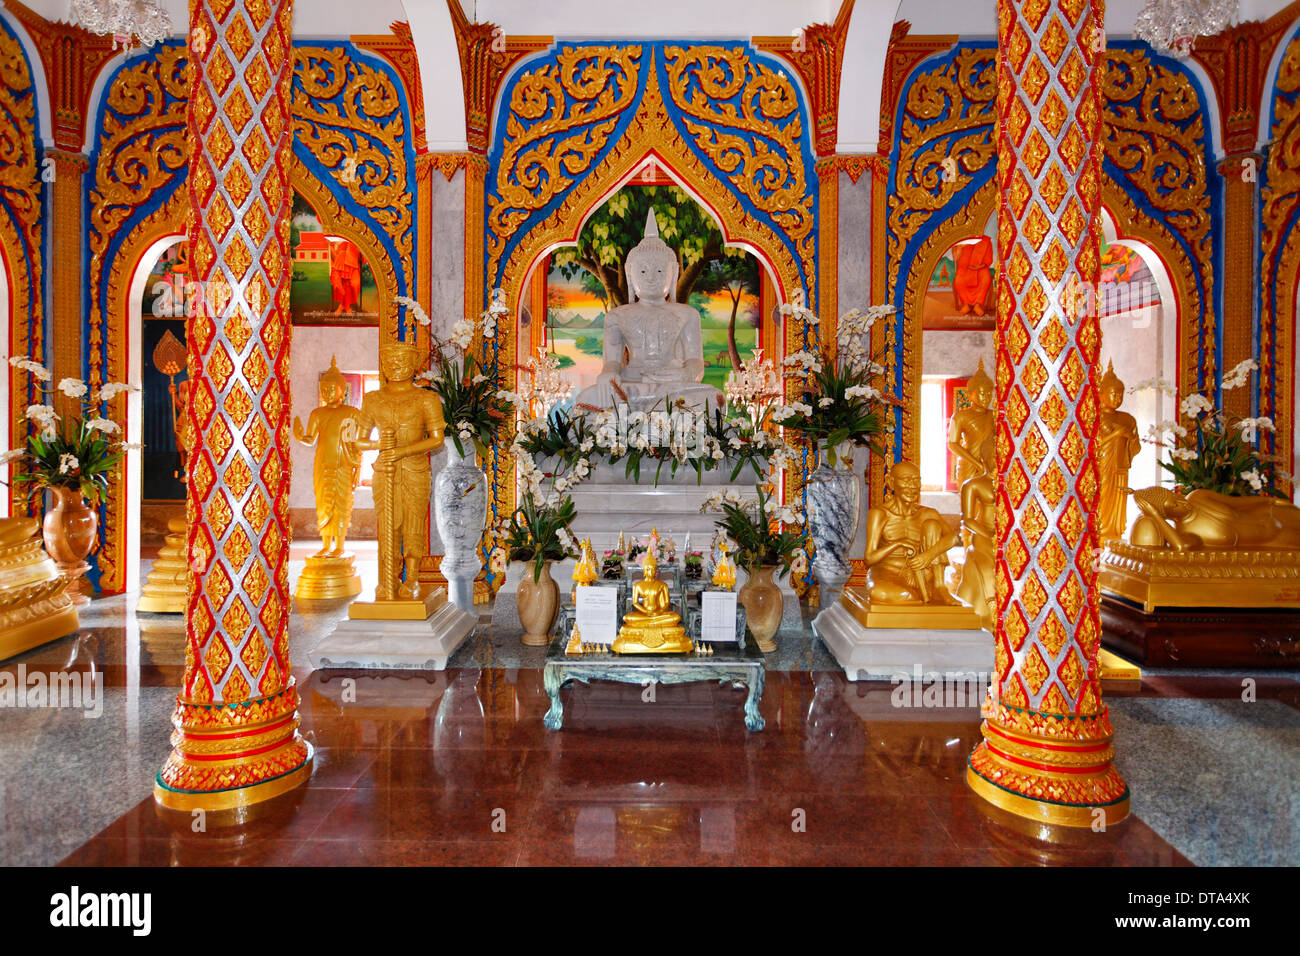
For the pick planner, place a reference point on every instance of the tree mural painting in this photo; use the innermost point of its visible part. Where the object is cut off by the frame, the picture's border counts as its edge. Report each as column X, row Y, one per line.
column 721, row 283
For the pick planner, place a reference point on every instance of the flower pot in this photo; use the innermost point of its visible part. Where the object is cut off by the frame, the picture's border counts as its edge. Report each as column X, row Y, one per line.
column 460, row 510
column 539, row 603
column 69, row 533
column 833, row 522
column 761, row 598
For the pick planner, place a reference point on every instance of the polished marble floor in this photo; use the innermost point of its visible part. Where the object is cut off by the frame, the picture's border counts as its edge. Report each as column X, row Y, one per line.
column 456, row 767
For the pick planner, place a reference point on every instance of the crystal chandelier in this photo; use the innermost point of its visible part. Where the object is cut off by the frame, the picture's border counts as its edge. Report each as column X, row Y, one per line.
column 126, row 21
column 1172, row 26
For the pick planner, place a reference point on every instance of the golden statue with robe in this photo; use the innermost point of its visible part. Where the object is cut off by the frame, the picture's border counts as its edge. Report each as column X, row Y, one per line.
column 332, row 428
column 1117, row 444
column 410, row 425
column 651, row 626
column 970, row 430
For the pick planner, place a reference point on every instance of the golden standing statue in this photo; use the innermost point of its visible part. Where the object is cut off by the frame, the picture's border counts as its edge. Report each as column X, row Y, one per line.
column 724, row 575
column 970, row 431
column 1117, row 444
column 410, row 425
column 332, row 428
column 975, row 581
column 651, row 626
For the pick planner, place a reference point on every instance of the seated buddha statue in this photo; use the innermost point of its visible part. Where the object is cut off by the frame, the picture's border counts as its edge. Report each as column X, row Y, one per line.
column 1204, row 520
column 651, row 626
column 653, row 347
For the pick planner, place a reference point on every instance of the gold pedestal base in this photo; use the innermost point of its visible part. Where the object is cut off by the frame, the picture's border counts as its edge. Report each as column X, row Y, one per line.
column 929, row 616
column 57, row 618
column 1111, row 666
column 635, row 640
column 163, row 592
column 328, row 578
column 1161, row 577
column 420, row 609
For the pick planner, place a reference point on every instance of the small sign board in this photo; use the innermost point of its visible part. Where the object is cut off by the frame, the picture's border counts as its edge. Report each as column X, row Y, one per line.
column 596, row 614
column 717, row 616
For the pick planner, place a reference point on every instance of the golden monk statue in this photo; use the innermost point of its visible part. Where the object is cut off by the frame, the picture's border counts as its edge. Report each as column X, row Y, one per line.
column 970, row 431
column 332, row 427
column 411, row 426
column 585, row 571
column 907, row 545
column 651, row 626
column 180, row 395
column 1117, row 444
column 1207, row 520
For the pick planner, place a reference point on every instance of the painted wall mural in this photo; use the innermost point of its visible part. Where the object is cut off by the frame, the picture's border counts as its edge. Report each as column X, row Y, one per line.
column 332, row 281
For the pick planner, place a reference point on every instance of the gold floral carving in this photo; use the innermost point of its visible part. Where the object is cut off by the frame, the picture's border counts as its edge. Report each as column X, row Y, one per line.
column 946, row 137
column 142, row 149
column 348, row 115
column 20, row 225
column 1280, row 257
column 758, row 146
column 560, row 116
column 1153, row 131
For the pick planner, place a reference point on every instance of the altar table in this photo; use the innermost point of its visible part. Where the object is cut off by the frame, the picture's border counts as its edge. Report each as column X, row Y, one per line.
column 740, row 664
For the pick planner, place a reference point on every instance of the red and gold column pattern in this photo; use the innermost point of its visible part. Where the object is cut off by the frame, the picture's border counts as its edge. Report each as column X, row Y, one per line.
column 236, row 719
column 1047, row 749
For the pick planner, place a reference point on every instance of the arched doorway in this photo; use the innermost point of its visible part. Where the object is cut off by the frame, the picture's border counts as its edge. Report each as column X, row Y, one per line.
column 7, row 310
column 1139, row 321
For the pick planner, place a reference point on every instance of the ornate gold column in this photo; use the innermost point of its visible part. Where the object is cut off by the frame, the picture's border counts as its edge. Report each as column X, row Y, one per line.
column 65, row 277
column 236, row 716
column 1047, row 749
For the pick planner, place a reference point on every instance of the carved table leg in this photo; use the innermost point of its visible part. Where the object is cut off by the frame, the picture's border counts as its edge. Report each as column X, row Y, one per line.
column 551, row 680
column 753, row 719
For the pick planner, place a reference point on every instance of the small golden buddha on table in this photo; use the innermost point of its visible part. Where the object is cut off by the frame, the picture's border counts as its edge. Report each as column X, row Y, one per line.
column 651, row 626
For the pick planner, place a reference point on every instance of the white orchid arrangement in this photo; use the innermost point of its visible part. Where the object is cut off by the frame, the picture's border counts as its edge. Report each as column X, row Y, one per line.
column 73, row 451
column 1215, row 451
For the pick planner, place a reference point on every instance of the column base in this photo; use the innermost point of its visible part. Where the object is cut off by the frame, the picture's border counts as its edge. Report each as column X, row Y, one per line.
column 216, row 801
column 1042, row 811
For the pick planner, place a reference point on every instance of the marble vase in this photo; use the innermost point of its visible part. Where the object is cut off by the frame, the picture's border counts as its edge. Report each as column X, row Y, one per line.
column 69, row 533
column 539, row 603
column 460, row 509
column 833, row 502
column 761, row 598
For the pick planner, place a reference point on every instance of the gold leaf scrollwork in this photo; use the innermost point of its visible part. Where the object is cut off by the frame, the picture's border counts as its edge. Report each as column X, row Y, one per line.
column 1154, row 129
column 560, row 118
column 946, row 137
column 349, row 117
column 744, row 116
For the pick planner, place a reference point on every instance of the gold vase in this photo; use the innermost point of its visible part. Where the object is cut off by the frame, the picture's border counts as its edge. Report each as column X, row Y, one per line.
column 69, row 533
column 761, row 599
column 539, row 603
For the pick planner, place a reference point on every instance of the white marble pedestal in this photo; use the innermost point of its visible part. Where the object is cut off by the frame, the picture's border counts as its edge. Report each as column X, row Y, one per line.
column 881, row 653
column 396, row 645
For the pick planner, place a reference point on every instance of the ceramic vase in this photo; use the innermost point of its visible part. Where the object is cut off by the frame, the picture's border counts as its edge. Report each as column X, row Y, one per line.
column 69, row 533
column 460, row 510
column 832, row 521
column 761, row 598
column 539, row 603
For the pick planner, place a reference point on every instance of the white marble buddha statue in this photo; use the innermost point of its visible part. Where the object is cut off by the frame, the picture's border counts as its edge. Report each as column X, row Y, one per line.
column 653, row 347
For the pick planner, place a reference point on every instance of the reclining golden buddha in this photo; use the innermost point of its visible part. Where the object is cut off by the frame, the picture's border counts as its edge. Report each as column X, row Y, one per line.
column 1207, row 549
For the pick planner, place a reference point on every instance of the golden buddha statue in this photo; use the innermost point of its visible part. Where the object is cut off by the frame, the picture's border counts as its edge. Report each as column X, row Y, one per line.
column 651, row 626
column 970, row 430
column 724, row 575
column 1206, row 549
column 1117, row 444
column 411, row 426
column 585, row 572
column 906, row 557
column 35, row 607
column 332, row 428
column 975, row 581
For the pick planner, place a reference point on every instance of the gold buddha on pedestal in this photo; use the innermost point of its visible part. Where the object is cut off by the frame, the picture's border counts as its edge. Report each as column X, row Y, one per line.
column 651, row 626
